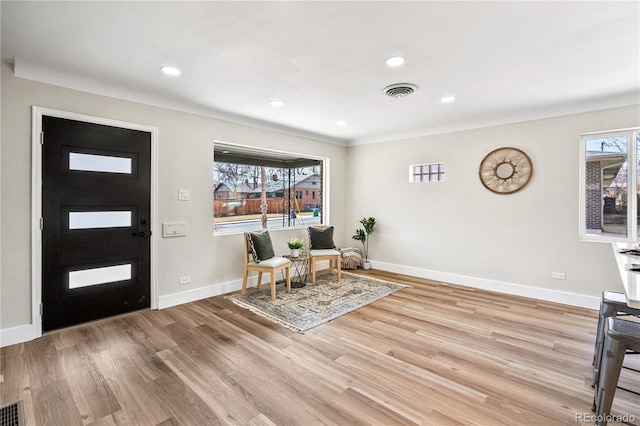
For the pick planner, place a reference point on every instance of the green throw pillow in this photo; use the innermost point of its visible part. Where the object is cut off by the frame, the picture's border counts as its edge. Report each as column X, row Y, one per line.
column 321, row 239
column 261, row 246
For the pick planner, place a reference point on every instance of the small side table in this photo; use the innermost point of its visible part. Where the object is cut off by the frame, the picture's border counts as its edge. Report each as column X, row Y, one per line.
column 300, row 269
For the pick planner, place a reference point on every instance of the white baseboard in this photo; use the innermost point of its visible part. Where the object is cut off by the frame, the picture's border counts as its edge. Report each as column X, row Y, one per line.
column 218, row 289
column 563, row 297
column 24, row 333
column 15, row 335
column 199, row 293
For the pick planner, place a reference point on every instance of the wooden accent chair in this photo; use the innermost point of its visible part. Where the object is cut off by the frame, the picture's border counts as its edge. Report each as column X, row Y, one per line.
column 270, row 265
column 321, row 247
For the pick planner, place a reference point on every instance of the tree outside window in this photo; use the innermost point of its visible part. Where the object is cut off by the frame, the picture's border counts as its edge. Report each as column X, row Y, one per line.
column 256, row 189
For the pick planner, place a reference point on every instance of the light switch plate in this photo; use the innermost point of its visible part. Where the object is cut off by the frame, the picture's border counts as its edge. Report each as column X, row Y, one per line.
column 174, row 229
column 184, row 194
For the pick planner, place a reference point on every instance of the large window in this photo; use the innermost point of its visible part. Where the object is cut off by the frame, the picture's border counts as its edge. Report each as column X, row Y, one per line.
column 256, row 188
column 609, row 189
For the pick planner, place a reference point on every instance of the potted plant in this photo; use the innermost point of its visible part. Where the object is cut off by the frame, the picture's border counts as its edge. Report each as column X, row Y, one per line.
column 362, row 235
column 295, row 245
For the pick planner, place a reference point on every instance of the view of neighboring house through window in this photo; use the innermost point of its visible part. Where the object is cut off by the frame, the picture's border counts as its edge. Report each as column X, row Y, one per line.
column 260, row 189
column 609, row 186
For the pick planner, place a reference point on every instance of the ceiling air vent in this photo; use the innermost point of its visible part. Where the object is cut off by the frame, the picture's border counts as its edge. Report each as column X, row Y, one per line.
column 400, row 90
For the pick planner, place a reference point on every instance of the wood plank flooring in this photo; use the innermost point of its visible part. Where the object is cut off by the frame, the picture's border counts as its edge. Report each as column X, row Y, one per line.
column 432, row 354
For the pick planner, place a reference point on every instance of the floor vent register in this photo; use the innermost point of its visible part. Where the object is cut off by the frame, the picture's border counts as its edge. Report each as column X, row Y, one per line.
column 12, row 414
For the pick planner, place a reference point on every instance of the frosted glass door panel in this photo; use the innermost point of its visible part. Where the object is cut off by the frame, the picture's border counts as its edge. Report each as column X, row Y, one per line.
column 99, row 163
column 103, row 219
column 95, row 276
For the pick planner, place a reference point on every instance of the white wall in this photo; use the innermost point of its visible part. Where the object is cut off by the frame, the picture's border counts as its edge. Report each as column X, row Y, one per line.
column 185, row 161
column 455, row 231
column 460, row 232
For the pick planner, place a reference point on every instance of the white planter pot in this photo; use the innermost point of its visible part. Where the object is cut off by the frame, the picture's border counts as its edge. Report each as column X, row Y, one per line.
column 366, row 265
column 295, row 252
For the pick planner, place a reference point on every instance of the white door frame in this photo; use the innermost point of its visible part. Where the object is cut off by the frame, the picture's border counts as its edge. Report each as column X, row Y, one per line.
column 36, row 202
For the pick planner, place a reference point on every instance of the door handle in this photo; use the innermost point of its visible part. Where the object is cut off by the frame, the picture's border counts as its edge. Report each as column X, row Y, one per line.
column 142, row 234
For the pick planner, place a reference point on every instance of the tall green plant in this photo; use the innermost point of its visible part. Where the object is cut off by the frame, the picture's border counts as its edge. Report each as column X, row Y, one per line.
column 362, row 235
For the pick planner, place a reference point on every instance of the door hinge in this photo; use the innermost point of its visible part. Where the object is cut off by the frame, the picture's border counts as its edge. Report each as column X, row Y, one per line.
column 41, row 138
column 42, row 224
column 41, row 309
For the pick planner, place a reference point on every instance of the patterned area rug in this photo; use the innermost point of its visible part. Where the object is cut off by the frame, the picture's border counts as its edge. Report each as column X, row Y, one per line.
column 312, row 305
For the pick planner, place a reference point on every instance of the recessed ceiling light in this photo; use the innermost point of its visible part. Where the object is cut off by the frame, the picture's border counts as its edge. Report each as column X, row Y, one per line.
column 341, row 123
column 276, row 103
column 395, row 61
column 170, row 70
column 447, row 99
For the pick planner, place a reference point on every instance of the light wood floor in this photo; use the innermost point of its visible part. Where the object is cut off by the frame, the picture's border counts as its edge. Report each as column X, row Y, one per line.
column 433, row 354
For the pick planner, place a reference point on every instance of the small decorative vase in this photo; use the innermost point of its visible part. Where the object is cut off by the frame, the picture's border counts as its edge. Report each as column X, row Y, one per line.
column 366, row 265
column 295, row 252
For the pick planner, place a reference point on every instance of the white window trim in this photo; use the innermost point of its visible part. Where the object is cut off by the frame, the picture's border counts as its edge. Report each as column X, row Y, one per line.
column 326, row 204
column 632, row 187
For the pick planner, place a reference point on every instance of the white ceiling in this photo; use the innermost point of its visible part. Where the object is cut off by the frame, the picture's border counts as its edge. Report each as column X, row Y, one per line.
column 504, row 61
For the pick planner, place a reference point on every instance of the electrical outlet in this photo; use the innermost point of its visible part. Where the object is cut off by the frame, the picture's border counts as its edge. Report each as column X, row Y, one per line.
column 558, row 275
column 185, row 280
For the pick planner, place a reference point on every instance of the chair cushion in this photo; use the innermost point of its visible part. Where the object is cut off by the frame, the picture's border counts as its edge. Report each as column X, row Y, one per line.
column 321, row 239
column 274, row 262
column 325, row 252
column 261, row 246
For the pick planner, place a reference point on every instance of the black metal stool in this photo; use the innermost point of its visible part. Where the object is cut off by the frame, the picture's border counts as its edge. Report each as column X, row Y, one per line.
column 613, row 304
column 620, row 336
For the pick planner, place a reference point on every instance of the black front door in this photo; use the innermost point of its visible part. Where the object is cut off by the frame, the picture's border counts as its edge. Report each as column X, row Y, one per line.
column 96, row 192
